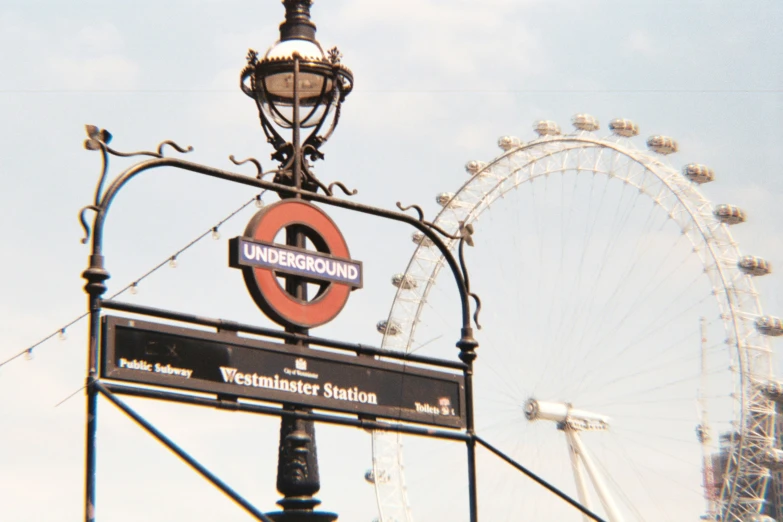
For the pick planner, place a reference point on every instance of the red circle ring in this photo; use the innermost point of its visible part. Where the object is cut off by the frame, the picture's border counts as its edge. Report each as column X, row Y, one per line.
column 262, row 283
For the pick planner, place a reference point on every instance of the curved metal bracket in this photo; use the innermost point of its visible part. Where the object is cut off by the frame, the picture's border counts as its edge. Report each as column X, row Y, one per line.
column 433, row 232
column 342, row 187
column 259, row 169
column 99, row 139
column 417, row 208
column 426, row 223
column 83, row 221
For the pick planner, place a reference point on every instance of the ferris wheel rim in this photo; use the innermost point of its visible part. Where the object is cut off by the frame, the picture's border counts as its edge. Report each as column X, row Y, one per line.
column 650, row 164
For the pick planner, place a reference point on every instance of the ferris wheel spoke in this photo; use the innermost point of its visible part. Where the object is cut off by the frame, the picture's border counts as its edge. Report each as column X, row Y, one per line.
column 642, row 482
column 601, row 315
column 620, row 285
column 657, row 326
column 653, row 277
column 653, row 325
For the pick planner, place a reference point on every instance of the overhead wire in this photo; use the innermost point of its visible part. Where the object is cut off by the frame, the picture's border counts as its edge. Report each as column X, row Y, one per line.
column 211, row 231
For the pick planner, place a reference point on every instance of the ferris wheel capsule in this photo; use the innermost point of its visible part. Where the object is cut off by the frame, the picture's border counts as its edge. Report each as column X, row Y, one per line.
column 444, row 198
column 698, row 173
column 703, row 434
column 546, row 128
column 388, row 327
column 585, row 122
column 624, row 128
column 773, row 390
column 769, row 325
column 372, row 478
column 729, row 214
column 662, row 144
column 473, row 167
column 404, row 281
column 420, row 239
column 509, row 142
column 755, row 266
column 772, row 458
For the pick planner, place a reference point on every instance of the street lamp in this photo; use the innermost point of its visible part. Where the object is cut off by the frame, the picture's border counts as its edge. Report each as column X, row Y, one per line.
column 297, row 86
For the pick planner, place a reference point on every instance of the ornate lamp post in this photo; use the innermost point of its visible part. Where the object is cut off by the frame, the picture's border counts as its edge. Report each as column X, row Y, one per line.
column 296, row 86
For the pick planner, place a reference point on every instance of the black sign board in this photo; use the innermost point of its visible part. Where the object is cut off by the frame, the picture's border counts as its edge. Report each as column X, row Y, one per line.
column 226, row 364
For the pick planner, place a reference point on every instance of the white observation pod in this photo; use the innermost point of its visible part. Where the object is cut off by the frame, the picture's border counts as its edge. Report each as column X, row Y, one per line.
column 662, row 144
column 754, row 266
column 624, row 128
column 773, row 390
column 404, row 281
column 473, row 167
column 729, row 214
column 585, row 122
column 698, row 173
column 388, row 327
column 444, row 198
column 769, row 325
column 546, row 128
column 509, row 142
column 772, row 458
column 371, row 478
column 420, row 239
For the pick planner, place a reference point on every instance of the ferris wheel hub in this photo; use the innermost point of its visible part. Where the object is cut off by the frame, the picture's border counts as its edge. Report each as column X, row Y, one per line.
column 565, row 415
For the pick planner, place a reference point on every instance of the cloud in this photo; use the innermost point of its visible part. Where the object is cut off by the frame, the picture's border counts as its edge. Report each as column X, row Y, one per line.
column 92, row 59
column 454, row 39
column 102, row 72
column 639, row 42
column 76, row 55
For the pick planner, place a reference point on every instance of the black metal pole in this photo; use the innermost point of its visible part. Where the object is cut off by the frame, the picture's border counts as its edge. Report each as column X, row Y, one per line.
column 471, row 446
column 295, row 131
column 467, row 346
column 538, row 479
column 248, row 407
column 96, row 276
column 90, row 450
column 298, row 477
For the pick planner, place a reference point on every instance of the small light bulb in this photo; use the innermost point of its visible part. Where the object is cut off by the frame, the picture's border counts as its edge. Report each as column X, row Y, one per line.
column 259, row 202
column 28, row 355
column 173, row 262
column 62, row 335
column 215, row 233
column 134, row 288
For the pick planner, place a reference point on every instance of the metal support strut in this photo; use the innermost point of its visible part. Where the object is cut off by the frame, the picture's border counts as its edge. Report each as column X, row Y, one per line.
column 225, row 488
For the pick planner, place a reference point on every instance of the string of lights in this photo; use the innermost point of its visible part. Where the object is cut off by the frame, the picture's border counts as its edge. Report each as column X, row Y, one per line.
column 171, row 261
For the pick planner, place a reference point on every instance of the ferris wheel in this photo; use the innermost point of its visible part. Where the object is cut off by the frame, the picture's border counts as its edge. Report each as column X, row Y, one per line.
column 624, row 357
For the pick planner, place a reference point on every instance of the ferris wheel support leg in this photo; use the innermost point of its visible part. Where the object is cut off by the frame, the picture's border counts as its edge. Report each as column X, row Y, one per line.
column 579, row 478
column 598, row 483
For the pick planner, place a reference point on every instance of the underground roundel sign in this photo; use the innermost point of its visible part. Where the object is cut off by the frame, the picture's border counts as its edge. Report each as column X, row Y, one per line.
column 267, row 265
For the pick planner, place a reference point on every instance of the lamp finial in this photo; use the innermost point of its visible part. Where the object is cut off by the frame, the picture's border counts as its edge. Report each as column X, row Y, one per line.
column 297, row 23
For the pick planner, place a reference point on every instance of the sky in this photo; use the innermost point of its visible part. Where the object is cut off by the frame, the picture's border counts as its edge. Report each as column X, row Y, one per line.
column 436, row 84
